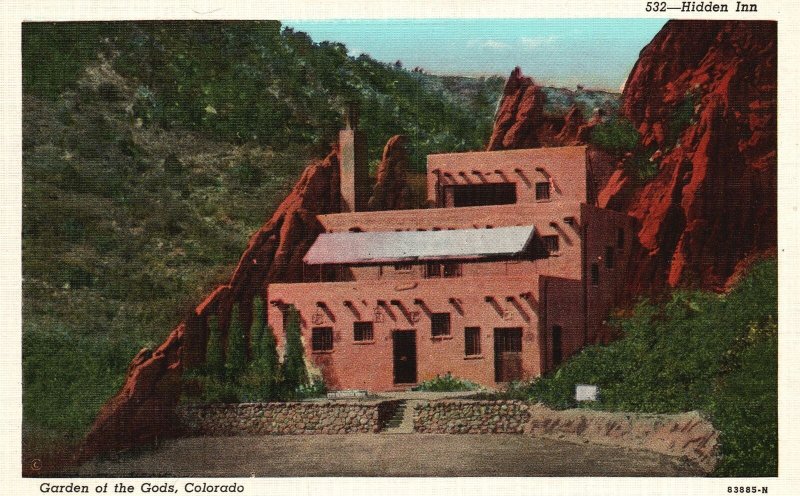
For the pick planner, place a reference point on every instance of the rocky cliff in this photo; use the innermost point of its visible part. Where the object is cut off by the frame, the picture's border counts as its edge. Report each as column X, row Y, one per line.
column 519, row 115
column 521, row 120
column 703, row 96
column 391, row 191
column 143, row 409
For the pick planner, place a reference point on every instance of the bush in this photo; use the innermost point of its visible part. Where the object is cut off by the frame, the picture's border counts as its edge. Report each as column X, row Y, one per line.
column 446, row 383
column 694, row 350
column 617, row 136
column 680, row 119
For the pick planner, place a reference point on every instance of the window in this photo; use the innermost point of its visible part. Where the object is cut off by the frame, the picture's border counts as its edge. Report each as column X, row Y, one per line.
column 620, row 238
column 322, row 339
column 472, row 341
column 471, row 195
column 595, row 274
column 362, row 331
column 402, row 267
column 543, row 190
column 440, row 324
column 557, row 345
column 609, row 257
column 439, row 269
column 550, row 243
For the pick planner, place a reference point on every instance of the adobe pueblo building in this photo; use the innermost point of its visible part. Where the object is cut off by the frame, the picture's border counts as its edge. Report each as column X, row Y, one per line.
column 512, row 272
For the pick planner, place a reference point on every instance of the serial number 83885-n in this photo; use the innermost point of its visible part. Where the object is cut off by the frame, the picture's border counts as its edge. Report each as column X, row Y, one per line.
column 747, row 490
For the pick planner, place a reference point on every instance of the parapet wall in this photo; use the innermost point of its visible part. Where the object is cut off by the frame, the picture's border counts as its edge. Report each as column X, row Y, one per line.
column 312, row 417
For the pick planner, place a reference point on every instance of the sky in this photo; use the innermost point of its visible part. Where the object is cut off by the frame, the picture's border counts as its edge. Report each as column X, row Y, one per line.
column 597, row 53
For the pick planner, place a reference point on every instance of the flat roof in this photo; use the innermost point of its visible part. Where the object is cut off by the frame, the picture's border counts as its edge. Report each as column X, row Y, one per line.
column 409, row 246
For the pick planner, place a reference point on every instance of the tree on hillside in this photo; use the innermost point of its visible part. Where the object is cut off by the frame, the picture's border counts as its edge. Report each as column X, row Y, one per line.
column 294, row 366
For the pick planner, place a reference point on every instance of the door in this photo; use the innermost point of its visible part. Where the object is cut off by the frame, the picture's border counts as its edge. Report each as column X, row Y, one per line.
column 557, row 357
column 404, row 344
column 507, row 354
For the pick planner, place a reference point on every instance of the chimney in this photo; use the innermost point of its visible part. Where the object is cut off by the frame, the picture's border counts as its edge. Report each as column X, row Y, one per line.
column 353, row 171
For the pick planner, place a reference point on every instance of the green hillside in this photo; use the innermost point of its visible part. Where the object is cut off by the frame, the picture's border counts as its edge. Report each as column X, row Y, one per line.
column 691, row 350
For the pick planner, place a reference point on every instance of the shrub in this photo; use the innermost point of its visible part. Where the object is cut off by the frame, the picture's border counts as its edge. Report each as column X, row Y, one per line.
column 694, row 350
column 641, row 167
column 616, row 136
column 446, row 383
column 680, row 119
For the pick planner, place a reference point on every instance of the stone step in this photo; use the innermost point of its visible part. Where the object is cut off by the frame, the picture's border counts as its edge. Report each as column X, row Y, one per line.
column 402, row 421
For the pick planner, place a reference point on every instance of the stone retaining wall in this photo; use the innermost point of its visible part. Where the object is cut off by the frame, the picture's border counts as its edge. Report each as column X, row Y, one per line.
column 312, row 417
column 685, row 435
column 470, row 417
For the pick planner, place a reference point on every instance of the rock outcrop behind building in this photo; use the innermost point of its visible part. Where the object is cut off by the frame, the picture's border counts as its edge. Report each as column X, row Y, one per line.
column 391, row 191
column 521, row 120
column 143, row 409
column 703, row 96
column 519, row 115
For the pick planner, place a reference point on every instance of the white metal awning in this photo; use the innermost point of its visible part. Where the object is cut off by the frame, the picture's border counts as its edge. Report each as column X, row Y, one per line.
column 407, row 246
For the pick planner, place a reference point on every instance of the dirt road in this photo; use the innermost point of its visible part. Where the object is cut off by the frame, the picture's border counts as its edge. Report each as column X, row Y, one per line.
column 389, row 456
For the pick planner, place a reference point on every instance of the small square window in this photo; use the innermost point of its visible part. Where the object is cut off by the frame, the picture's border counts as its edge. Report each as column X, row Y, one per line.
column 402, row 267
column 440, row 324
column 322, row 339
column 543, row 190
column 363, row 331
column 472, row 341
column 550, row 243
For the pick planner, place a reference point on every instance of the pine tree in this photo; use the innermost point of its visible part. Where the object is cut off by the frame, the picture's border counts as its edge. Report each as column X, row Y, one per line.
column 214, row 364
column 237, row 342
column 294, row 367
column 265, row 365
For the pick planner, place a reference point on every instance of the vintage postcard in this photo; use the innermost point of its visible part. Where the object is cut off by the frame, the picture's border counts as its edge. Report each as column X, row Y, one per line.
column 404, row 246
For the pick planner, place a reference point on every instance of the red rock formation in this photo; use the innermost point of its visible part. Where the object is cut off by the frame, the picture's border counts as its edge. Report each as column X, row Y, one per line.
column 714, row 200
column 142, row 410
column 519, row 115
column 520, row 121
column 573, row 122
column 391, row 191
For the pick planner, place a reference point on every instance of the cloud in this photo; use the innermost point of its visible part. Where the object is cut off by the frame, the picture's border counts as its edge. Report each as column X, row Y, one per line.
column 492, row 44
column 534, row 42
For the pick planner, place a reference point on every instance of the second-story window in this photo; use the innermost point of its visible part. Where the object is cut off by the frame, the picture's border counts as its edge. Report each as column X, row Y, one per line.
column 402, row 267
column 543, row 191
column 442, row 269
column 550, row 243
